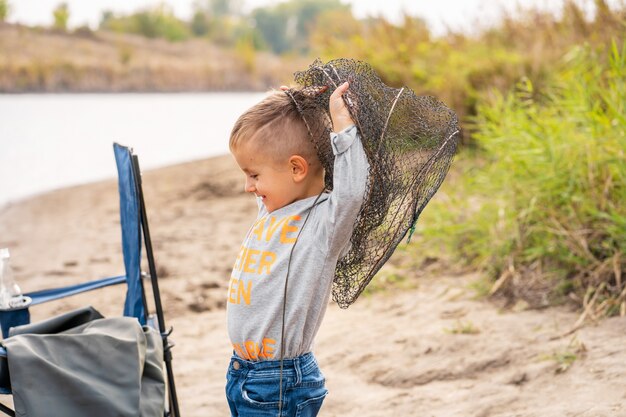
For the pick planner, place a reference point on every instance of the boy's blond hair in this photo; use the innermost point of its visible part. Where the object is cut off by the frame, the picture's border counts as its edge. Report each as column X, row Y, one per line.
column 276, row 128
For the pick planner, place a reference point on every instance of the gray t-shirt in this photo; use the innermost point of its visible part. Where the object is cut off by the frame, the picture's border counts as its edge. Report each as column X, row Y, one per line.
column 255, row 292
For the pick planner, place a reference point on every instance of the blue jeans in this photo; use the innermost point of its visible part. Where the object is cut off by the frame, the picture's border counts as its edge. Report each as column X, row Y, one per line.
column 252, row 388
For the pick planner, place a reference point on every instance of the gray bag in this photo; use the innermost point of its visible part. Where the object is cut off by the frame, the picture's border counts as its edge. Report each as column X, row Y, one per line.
column 103, row 368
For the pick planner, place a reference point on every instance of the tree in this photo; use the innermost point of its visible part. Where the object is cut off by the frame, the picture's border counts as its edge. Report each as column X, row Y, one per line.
column 199, row 23
column 286, row 26
column 5, row 8
column 61, row 15
column 106, row 17
column 219, row 8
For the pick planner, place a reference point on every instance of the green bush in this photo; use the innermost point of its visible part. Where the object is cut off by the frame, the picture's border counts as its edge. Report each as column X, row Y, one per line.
column 546, row 211
column 157, row 22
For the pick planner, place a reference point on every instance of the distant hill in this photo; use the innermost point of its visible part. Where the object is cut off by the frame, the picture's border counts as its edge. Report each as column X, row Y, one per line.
column 45, row 60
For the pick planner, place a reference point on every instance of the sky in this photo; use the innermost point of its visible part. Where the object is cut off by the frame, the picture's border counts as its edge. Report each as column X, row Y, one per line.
column 460, row 15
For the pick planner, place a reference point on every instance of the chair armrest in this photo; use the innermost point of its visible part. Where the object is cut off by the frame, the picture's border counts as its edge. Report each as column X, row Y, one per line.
column 44, row 296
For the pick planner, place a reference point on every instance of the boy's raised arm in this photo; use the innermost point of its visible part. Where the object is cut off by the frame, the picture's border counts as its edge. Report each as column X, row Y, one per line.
column 339, row 113
column 350, row 173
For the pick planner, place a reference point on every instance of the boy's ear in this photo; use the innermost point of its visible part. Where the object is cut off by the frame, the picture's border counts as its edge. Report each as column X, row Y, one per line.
column 299, row 167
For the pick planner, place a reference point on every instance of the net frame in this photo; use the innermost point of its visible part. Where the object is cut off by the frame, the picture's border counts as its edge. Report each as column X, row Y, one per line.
column 409, row 141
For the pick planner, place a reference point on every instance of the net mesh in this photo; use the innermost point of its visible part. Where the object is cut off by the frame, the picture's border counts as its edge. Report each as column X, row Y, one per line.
column 409, row 140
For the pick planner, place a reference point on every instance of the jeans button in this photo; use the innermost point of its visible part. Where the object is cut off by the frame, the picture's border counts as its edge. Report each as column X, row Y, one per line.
column 236, row 365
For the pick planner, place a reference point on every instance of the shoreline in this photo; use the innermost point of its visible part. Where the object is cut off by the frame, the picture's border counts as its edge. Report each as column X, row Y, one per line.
column 23, row 199
column 66, row 148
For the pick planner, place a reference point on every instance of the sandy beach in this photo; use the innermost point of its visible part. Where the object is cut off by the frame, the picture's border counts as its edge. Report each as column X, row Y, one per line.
column 425, row 348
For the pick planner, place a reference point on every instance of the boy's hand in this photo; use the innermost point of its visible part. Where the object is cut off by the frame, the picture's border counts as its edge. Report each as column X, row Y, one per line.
column 339, row 113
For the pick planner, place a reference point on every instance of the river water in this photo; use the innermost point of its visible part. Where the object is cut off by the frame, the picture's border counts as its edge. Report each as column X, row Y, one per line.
column 48, row 141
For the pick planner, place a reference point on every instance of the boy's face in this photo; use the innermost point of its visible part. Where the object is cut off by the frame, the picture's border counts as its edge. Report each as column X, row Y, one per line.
column 266, row 178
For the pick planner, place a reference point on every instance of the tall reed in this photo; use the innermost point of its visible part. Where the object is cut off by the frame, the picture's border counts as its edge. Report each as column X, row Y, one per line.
column 545, row 213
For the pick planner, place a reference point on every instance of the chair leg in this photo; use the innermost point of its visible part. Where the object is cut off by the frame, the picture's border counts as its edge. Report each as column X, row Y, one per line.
column 174, row 410
column 6, row 410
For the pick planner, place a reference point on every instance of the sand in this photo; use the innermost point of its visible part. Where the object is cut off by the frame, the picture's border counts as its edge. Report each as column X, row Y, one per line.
column 427, row 348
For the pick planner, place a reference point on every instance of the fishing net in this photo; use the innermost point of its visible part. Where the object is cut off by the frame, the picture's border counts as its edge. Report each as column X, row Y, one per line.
column 409, row 141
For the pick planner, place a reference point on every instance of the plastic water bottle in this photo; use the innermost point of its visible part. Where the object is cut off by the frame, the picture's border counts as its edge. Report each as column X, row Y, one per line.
column 10, row 292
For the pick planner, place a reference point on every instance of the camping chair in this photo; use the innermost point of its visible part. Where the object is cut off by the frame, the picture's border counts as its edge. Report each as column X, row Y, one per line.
column 133, row 221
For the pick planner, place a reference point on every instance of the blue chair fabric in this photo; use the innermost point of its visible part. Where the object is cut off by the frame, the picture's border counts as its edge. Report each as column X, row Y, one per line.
column 130, row 221
column 131, row 232
column 131, row 228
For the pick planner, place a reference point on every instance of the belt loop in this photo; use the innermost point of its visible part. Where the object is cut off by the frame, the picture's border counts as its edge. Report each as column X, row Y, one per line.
column 296, row 365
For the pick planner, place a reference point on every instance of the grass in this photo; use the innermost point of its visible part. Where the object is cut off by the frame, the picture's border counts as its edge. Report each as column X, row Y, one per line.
column 481, row 287
column 463, row 327
column 565, row 358
column 540, row 207
column 386, row 280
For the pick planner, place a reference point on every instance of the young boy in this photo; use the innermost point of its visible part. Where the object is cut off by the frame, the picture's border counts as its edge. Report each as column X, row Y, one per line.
column 289, row 254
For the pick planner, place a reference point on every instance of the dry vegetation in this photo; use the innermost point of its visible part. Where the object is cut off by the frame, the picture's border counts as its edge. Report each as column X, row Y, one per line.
column 45, row 60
